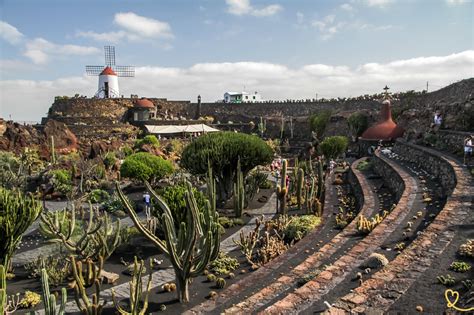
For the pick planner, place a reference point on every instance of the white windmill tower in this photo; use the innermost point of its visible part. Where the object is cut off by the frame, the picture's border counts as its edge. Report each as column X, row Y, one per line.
column 108, row 76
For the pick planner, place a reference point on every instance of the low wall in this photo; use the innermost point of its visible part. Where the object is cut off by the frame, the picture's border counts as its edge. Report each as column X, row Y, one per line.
column 355, row 184
column 452, row 140
column 390, row 176
column 429, row 160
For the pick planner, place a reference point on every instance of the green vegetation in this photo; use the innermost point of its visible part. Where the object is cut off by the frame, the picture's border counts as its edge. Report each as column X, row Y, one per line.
column 224, row 264
column 300, row 226
column 98, row 196
column 175, row 198
column 61, row 180
column 460, row 266
column 364, row 165
column 144, row 166
column 358, row 123
column 333, row 147
column 447, row 280
column 147, row 140
column 191, row 247
column 17, row 212
column 49, row 300
column 319, row 121
column 222, row 150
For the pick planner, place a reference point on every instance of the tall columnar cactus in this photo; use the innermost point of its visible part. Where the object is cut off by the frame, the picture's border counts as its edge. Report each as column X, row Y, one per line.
column 97, row 238
column 211, row 188
column 300, row 187
column 53, row 151
column 320, row 175
column 239, row 192
column 87, row 306
column 3, row 290
column 137, row 305
column 262, row 126
column 49, row 300
column 17, row 212
column 282, row 190
column 189, row 248
column 310, row 195
column 88, row 271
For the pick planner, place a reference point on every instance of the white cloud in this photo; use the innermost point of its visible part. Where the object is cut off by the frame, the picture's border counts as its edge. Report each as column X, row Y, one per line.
column 378, row 3
column 273, row 81
column 133, row 27
column 328, row 26
column 142, row 26
column 456, row 2
column 39, row 50
column 243, row 7
column 10, row 33
column 347, row 7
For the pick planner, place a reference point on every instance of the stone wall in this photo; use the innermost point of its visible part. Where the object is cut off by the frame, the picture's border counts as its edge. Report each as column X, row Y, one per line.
column 355, row 185
column 391, row 177
column 453, row 141
column 431, row 161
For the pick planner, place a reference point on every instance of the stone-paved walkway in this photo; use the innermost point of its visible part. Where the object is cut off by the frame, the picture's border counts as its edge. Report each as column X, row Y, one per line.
column 163, row 276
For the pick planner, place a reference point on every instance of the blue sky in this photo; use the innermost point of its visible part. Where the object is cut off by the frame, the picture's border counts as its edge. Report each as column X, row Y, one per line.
column 283, row 49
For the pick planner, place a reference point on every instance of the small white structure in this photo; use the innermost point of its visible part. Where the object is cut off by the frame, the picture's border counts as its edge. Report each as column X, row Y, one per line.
column 196, row 129
column 108, row 84
column 241, row 97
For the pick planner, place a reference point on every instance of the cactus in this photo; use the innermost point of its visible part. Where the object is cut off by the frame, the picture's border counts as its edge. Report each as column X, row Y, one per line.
column 310, row 195
column 86, row 306
column 3, row 291
column 262, row 126
column 239, row 192
column 137, row 307
column 318, row 207
column 365, row 225
column 248, row 242
column 49, row 300
column 300, row 187
column 320, row 176
column 191, row 247
column 211, row 188
column 282, row 190
column 220, row 283
column 88, row 275
column 98, row 238
column 53, row 151
column 18, row 212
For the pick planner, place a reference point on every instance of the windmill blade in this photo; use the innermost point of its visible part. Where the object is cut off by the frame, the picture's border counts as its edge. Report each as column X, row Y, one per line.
column 109, row 55
column 94, row 70
column 124, row 71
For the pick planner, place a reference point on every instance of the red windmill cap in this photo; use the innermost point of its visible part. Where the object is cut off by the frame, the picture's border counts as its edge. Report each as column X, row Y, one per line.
column 108, row 71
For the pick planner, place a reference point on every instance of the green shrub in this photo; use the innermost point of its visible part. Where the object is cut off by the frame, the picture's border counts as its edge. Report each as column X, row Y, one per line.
column 300, row 226
column 110, row 159
column 98, row 196
column 319, row 121
column 144, row 166
column 222, row 150
column 174, row 196
column 149, row 139
column 127, row 151
column 358, row 123
column 224, row 264
column 364, row 165
column 332, row 147
column 61, row 180
column 176, row 146
column 113, row 205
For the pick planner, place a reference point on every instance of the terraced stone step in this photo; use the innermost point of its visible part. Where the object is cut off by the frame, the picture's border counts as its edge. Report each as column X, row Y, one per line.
column 270, row 287
column 385, row 287
column 302, row 298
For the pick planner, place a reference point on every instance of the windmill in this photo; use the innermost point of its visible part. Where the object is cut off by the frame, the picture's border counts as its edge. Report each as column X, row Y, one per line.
column 108, row 76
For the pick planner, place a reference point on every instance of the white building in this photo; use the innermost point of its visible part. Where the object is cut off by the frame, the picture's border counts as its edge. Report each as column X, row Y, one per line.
column 108, row 84
column 241, row 97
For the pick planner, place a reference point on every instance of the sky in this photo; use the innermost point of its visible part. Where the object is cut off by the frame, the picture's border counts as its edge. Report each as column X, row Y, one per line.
column 293, row 49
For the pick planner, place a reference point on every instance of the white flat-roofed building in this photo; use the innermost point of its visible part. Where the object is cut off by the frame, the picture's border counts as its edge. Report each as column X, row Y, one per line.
column 241, row 97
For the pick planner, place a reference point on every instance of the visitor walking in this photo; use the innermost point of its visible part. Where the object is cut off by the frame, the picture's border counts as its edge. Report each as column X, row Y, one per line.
column 468, row 147
column 147, row 201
